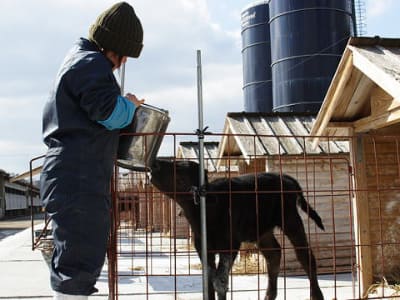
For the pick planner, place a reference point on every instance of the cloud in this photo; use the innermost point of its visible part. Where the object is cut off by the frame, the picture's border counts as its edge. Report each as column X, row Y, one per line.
column 20, row 139
column 40, row 32
column 378, row 8
column 15, row 155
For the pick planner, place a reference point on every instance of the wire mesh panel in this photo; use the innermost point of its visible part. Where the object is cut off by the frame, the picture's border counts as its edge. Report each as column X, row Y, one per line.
column 152, row 247
column 152, row 242
column 377, row 170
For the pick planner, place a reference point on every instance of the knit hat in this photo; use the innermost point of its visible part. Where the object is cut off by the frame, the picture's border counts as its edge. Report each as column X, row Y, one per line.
column 118, row 29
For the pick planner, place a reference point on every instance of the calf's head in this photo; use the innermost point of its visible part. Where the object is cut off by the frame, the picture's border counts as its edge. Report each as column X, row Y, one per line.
column 170, row 176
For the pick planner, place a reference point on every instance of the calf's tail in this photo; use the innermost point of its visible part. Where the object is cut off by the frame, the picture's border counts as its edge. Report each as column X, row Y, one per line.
column 307, row 208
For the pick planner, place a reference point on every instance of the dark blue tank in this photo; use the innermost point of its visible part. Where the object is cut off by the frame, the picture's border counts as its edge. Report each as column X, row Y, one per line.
column 256, row 53
column 309, row 37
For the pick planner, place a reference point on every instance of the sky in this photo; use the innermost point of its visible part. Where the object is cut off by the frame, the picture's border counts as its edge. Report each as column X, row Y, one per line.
column 35, row 36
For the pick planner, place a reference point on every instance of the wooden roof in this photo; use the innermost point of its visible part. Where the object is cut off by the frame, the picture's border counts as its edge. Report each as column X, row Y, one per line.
column 262, row 134
column 364, row 92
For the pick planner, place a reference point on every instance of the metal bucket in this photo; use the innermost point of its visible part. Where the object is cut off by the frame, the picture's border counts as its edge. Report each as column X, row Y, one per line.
column 141, row 140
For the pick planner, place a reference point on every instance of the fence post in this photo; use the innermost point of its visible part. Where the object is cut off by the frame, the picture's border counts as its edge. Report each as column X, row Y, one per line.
column 201, row 178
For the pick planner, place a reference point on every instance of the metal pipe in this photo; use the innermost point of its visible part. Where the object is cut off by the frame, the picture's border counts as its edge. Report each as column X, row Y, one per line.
column 354, row 18
column 122, row 78
column 202, row 178
column 31, row 200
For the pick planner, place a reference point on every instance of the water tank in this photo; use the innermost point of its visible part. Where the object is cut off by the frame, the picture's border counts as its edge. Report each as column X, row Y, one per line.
column 309, row 37
column 256, row 53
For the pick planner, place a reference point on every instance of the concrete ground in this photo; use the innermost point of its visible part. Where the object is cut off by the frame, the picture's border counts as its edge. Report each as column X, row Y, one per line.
column 14, row 224
column 24, row 274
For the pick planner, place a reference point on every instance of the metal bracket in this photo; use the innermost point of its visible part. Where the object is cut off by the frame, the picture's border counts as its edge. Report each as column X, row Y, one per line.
column 197, row 193
column 202, row 132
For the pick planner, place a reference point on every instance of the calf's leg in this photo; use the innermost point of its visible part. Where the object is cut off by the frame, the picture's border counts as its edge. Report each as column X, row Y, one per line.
column 221, row 279
column 271, row 250
column 294, row 230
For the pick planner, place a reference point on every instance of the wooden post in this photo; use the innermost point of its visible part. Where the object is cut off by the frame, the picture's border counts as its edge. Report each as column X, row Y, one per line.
column 381, row 102
column 361, row 214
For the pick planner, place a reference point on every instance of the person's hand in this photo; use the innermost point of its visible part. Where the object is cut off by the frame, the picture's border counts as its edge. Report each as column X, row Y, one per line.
column 134, row 99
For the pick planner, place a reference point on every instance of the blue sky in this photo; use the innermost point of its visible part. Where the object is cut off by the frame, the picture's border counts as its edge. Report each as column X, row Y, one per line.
column 37, row 34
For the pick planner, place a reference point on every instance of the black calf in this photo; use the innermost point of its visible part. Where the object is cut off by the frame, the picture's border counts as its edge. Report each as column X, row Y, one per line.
column 242, row 209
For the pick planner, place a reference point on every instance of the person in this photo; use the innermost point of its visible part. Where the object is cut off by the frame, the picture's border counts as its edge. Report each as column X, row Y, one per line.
column 81, row 123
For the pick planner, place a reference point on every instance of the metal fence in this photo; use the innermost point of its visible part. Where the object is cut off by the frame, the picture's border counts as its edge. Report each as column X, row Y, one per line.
column 353, row 184
column 152, row 253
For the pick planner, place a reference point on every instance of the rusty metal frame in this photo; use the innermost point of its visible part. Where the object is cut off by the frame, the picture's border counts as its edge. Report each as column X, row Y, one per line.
column 309, row 164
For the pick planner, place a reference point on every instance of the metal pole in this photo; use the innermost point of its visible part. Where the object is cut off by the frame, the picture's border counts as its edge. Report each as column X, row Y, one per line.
column 354, row 17
column 31, row 200
column 122, row 78
column 202, row 179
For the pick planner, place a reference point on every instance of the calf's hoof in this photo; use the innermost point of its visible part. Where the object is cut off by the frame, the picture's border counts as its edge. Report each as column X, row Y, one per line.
column 221, row 296
column 317, row 295
column 270, row 297
column 220, row 285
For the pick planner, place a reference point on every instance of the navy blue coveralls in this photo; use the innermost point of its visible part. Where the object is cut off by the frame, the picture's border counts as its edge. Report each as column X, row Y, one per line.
column 75, row 181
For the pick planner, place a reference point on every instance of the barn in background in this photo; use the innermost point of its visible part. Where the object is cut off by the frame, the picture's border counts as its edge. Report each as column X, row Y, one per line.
column 280, row 143
column 17, row 197
column 363, row 102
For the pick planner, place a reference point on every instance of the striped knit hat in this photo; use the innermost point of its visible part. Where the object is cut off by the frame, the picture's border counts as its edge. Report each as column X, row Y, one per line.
column 118, row 29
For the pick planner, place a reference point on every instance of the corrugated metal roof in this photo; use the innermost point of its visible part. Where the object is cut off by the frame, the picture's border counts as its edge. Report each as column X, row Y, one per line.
column 273, row 134
column 190, row 150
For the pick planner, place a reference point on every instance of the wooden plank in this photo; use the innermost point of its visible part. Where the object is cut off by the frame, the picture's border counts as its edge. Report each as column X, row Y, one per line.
column 244, row 137
column 337, row 129
column 377, row 121
column 328, row 147
column 385, row 250
column 359, row 103
column 382, row 69
column 386, row 174
column 381, row 102
column 222, row 144
column 361, row 215
column 342, row 76
column 347, row 94
column 340, row 125
column 324, row 257
column 267, row 137
column 281, row 130
column 327, row 256
column 300, row 132
column 318, row 177
column 227, row 147
column 340, row 79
